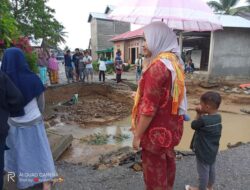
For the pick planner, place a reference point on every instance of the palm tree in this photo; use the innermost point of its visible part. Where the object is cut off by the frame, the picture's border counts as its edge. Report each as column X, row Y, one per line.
column 224, row 6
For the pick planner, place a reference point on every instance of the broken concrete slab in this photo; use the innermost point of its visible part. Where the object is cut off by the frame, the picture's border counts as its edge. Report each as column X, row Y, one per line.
column 59, row 143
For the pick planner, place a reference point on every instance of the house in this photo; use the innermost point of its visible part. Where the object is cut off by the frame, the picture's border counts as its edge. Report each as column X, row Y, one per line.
column 222, row 54
column 103, row 29
column 130, row 43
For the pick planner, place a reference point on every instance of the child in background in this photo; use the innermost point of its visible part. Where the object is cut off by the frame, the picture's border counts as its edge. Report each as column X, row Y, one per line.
column 206, row 139
column 102, row 69
column 118, row 66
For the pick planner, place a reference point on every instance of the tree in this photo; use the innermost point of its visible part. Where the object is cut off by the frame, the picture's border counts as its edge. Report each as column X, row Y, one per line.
column 66, row 48
column 8, row 24
column 227, row 7
column 35, row 18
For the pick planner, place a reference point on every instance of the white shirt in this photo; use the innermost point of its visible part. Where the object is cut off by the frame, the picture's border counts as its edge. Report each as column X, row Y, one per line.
column 31, row 111
column 102, row 66
column 88, row 59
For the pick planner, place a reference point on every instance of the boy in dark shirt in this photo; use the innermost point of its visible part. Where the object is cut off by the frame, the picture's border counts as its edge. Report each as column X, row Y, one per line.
column 205, row 142
column 75, row 59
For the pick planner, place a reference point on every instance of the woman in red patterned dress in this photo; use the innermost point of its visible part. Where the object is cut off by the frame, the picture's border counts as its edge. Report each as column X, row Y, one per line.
column 160, row 103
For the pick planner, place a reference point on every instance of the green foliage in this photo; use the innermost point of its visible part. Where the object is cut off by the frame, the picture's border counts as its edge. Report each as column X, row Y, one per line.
column 35, row 18
column 32, row 61
column 8, row 24
column 126, row 67
column 99, row 139
column 95, row 65
column 96, row 139
column 121, row 137
column 227, row 7
column 110, row 67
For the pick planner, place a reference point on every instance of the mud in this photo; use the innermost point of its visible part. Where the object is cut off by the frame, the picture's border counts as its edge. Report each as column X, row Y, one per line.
column 98, row 104
column 103, row 111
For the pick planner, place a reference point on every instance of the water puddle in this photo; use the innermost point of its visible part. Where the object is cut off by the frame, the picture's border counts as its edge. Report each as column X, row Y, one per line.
column 235, row 128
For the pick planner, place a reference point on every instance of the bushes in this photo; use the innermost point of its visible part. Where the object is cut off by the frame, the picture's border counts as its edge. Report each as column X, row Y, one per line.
column 110, row 67
column 126, row 67
column 32, row 61
column 95, row 65
column 31, row 56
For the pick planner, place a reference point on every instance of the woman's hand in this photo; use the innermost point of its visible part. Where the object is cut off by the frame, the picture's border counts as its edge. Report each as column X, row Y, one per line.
column 136, row 143
column 133, row 94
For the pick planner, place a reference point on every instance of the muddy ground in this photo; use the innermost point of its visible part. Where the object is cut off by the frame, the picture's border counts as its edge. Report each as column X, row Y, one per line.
column 103, row 103
column 100, row 104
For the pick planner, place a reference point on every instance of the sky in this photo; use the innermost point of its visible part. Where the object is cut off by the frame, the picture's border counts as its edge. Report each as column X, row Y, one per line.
column 73, row 14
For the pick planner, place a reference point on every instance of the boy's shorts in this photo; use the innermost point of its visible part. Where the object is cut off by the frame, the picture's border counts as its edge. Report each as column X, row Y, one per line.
column 89, row 71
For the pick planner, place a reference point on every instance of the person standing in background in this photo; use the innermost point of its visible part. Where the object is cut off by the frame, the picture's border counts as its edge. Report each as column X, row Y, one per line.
column 42, row 66
column 76, row 58
column 82, row 68
column 68, row 66
column 138, row 66
column 53, row 69
column 118, row 66
column 89, row 66
column 102, row 68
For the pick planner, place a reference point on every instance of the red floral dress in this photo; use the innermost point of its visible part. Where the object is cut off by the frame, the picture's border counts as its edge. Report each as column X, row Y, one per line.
column 165, row 130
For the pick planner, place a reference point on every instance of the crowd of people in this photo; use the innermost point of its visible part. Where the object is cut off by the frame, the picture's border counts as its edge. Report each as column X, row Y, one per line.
column 79, row 66
column 160, row 108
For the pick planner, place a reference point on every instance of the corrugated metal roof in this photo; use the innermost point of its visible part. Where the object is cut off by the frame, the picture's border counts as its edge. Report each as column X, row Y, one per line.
column 128, row 35
column 245, row 15
column 109, row 9
column 234, row 21
column 98, row 16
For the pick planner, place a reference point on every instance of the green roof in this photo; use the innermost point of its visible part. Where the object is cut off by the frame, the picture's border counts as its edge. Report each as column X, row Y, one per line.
column 108, row 50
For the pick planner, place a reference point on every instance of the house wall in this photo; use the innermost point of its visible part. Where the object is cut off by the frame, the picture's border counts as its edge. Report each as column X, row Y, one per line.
column 94, row 43
column 133, row 43
column 231, row 54
column 102, row 31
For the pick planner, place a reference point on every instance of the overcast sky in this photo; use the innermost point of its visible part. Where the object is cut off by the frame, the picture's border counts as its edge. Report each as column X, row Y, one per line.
column 73, row 14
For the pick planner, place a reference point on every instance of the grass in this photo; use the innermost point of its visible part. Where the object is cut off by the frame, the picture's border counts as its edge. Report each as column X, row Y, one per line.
column 100, row 139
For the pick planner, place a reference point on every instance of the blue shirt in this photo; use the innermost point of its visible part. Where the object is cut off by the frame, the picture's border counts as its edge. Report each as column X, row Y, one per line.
column 68, row 60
